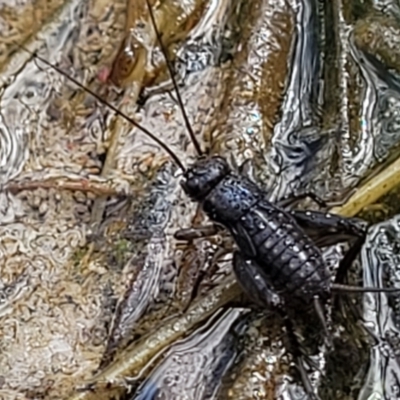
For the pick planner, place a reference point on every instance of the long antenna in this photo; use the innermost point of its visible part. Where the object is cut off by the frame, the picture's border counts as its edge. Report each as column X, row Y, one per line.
column 109, row 105
column 172, row 74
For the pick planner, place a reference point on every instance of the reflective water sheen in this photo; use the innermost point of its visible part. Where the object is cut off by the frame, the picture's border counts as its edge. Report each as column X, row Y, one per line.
column 97, row 299
column 381, row 258
column 193, row 368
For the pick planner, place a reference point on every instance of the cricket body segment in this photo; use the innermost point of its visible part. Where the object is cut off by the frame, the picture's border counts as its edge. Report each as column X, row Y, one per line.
column 266, row 235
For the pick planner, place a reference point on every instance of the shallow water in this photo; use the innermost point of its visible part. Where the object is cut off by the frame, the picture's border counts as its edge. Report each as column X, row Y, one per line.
column 311, row 104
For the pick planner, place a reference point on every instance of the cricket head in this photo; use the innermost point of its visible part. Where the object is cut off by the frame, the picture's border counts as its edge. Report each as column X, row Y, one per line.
column 203, row 176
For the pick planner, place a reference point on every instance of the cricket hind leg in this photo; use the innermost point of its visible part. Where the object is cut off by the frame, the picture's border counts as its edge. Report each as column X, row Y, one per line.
column 253, row 282
column 319, row 309
column 299, row 358
column 255, row 285
column 327, row 229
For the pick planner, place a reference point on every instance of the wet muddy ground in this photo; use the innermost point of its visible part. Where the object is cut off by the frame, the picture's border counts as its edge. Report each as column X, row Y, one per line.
column 97, row 298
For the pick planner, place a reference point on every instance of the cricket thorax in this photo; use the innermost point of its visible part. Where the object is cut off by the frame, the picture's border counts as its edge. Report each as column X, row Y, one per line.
column 231, row 199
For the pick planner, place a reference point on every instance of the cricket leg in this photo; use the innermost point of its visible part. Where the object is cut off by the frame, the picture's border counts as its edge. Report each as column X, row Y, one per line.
column 327, row 229
column 295, row 199
column 295, row 349
column 254, row 283
column 197, row 232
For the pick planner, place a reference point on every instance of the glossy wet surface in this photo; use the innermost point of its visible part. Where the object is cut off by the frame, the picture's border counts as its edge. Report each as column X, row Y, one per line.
column 92, row 280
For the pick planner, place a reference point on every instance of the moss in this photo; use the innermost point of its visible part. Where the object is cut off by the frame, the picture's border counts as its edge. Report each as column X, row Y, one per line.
column 122, row 251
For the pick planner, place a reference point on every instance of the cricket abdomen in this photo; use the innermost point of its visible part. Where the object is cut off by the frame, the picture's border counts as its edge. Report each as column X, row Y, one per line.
column 293, row 263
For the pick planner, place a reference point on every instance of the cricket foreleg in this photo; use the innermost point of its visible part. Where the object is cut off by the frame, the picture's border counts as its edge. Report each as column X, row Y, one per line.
column 197, row 232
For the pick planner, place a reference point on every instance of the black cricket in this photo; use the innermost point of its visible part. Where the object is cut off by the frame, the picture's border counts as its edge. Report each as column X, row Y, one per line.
column 276, row 258
column 279, row 261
